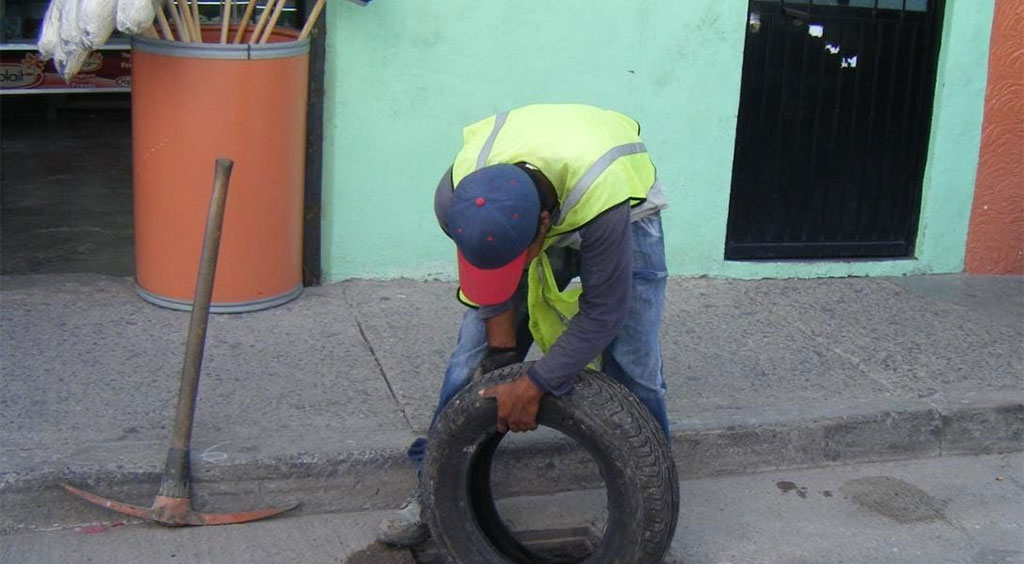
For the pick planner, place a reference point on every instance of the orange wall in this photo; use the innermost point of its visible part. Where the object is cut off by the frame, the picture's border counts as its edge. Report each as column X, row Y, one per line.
column 995, row 243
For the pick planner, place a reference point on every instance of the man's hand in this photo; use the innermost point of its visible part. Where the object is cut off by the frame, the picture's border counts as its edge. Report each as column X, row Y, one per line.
column 518, row 403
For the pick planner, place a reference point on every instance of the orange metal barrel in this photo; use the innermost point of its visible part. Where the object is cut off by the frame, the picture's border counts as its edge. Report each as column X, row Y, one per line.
column 193, row 103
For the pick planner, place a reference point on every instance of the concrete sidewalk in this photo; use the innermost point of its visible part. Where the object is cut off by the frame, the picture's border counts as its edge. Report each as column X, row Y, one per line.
column 316, row 401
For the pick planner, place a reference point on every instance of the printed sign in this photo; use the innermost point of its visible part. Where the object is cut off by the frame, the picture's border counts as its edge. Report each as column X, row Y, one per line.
column 26, row 70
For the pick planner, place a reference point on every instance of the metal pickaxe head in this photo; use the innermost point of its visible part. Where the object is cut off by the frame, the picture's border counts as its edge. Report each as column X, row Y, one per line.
column 177, row 511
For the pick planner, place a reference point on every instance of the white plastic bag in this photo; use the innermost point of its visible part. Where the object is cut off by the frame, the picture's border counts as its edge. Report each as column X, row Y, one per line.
column 96, row 19
column 72, row 29
column 49, row 34
column 69, row 38
column 73, row 63
column 134, row 16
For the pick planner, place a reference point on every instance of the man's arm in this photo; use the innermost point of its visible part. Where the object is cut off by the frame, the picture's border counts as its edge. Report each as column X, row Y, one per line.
column 606, row 270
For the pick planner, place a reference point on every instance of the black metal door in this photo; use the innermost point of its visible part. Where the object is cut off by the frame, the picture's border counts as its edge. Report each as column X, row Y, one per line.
column 833, row 125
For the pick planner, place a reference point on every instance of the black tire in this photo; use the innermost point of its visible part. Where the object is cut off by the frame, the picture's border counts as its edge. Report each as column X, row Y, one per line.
column 601, row 415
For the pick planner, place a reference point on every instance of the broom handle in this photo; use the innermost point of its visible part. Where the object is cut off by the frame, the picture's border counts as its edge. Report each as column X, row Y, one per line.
column 245, row 21
column 164, row 26
column 273, row 22
column 261, row 22
column 186, row 18
column 179, row 24
column 196, row 26
column 225, row 21
column 313, row 16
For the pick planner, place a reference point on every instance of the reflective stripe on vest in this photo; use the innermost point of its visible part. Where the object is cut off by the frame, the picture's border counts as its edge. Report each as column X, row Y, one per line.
column 596, row 170
column 573, row 237
column 485, row 151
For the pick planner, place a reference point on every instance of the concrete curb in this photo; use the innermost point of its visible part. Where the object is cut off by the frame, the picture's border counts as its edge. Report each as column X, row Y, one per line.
column 371, row 472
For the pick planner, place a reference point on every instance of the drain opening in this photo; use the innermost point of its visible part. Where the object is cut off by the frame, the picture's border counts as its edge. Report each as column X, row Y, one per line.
column 554, row 546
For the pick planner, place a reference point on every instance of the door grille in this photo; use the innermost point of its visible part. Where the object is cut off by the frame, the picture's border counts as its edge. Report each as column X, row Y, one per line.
column 833, row 125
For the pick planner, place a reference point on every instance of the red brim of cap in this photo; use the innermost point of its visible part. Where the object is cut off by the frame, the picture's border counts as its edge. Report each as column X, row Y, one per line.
column 490, row 286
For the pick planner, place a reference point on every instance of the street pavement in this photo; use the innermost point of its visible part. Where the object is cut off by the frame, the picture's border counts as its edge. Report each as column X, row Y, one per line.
column 946, row 510
column 315, row 401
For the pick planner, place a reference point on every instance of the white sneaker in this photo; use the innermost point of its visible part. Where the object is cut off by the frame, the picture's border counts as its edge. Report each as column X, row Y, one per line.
column 405, row 527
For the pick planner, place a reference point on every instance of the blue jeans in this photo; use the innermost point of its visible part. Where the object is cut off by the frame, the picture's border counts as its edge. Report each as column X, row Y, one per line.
column 633, row 358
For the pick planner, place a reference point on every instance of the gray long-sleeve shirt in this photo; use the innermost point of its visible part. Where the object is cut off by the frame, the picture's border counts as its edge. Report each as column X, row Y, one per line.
column 605, row 270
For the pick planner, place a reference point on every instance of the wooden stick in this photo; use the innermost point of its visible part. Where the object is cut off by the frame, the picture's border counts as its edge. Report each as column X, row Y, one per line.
column 179, row 24
column 164, row 26
column 186, row 16
column 261, row 22
column 245, row 21
column 150, row 33
column 313, row 16
column 197, row 25
column 184, row 30
column 225, row 21
column 273, row 22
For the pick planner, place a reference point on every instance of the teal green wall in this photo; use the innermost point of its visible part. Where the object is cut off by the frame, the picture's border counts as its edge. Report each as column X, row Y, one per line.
column 404, row 76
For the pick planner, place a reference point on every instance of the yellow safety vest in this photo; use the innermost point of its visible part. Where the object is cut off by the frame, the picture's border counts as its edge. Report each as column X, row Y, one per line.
column 595, row 160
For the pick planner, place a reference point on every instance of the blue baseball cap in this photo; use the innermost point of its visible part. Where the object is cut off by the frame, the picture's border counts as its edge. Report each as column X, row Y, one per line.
column 493, row 219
